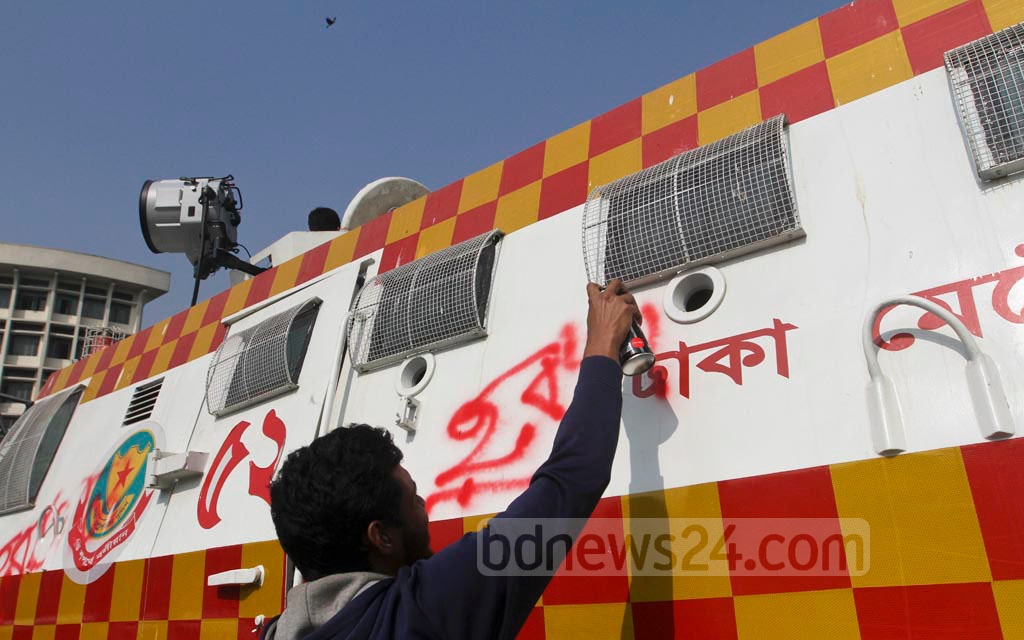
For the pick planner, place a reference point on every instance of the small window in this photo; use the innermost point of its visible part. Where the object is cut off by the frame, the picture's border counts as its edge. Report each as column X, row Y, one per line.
column 93, row 308
column 29, row 300
column 29, row 448
column 430, row 303
column 260, row 362
column 721, row 200
column 20, row 372
column 120, row 313
column 42, row 283
column 69, row 285
column 123, row 295
column 5, row 298
column 23, row 345
column 17, row 388
column 987, row 76
column 97, row 291
column 66, row 304
column 59, row 348
column 28, row 326
column 62, row 329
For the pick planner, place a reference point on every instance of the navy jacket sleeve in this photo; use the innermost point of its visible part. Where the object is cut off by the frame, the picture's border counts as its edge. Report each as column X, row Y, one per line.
column 450, row 591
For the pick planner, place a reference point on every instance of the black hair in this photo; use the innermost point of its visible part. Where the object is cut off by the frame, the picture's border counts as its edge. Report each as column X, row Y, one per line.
column 327, row 494
column 324, row 219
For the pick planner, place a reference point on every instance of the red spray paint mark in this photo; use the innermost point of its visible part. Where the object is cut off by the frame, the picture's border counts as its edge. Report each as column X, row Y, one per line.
column 26, row 551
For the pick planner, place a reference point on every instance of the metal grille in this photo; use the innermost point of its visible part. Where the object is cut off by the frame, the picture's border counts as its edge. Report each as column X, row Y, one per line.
column 729, row 197
column 988, row 83
column 29, row 448
column 97, row 338
column 262, row 361
column 435, row 301
column 143, row 400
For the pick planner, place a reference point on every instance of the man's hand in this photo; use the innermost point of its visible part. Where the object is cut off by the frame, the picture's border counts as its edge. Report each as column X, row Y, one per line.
column 611, row 312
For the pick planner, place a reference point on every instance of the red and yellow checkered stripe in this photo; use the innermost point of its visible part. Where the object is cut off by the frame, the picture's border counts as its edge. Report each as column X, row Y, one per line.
column 946, row 561
column 854, row 51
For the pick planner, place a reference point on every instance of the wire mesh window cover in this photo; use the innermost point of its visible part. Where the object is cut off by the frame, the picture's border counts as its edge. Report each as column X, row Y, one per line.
column 30, row 446
column 433, row 302
column 262, row 361
column 729, row 197
column 987, row 76
column 143, row 401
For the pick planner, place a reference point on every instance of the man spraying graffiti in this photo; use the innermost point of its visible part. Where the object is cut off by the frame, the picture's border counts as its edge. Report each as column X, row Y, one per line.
column 348, row 516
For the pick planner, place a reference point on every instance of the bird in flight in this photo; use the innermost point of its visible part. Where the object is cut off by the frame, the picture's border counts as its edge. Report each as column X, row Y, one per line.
column 330, row 21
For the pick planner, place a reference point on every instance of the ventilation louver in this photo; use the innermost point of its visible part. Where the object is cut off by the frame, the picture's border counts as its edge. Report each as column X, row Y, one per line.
column 987, row 76
column 262, row 361
column 30, row 446
column 433, row 302
column 720, row 200
column 143, row 400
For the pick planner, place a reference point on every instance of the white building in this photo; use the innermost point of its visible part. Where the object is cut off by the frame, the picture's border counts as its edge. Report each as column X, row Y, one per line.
column 49, row 298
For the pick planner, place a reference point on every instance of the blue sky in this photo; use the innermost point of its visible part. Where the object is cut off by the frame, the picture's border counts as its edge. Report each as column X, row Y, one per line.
column 100, row 96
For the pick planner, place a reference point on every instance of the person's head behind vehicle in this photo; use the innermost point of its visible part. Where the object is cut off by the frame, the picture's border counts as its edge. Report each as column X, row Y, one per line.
column 345, row 503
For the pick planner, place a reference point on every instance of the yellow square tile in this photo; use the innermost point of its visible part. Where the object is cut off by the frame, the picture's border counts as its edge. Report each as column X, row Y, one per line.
column 518, row 209
column 788, row 52
column 567, row 149
column 342, row 249
column 152, row 630
column 187, row 582
column 923, row 526
column 729, row 117
column 286, row 275
column 121, row 351
column 126, row 594
column 1004, row 13
column 671, row 512
column 265, row 600
column 127, row 373
column 28, row 594
column 90, row 366
column 163, row 358
column 203, row 341
column 7, row 632
column 871, row 67
column 1009, row 595
column 72, row 602
column 156, row 336
column 218, row 629
column 615, row 163
column 480, row 187
column 94, row 631
column 808, row 615
column 406, row 220
column 910, row 11
column 194, row 319
column 671, row 103
column 44, row 632
column 435, row 238
column 475, row 523
column 93, row 388
column 591, row 621
column 237, row 297
column 62, row 379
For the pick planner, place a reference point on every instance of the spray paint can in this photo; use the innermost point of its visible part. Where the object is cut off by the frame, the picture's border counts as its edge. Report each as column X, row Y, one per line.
column 635, row 354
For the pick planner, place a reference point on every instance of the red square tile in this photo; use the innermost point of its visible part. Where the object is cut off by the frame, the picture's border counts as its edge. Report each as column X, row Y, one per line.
column 993, row 471
column 67, row 632
column 533, row 628
column 525, row 167
column 313, row 263
column 218, row 336
column 669, row 141
column 22, row 632
column 445, row 532
column 175, row 325
column 222, row 602
column 215, row 310
column 97, row 598
column 787, row 497
column 609, row 582
column 156, row 588
column 616, row 127
column 928, row 612
column 855, row 23
column 927, row 39
column 139, row 341
column 260, row 288
column 398, row 253
column 183, row 629
column 685, row 619
column 472, row 223
column 182, row 349
column 76, row 371
column 109, row 380
column 105, row 356
column 49, row 597
column 122, row 631
column 726, row 79
column 564, row 190
column 801, row 95
column 145, row 365
column 440, row 205
column 8, row 598
column 372, row 236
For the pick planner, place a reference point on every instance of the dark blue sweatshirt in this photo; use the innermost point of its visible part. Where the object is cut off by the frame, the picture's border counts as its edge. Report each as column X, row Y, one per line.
column 446, row 596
